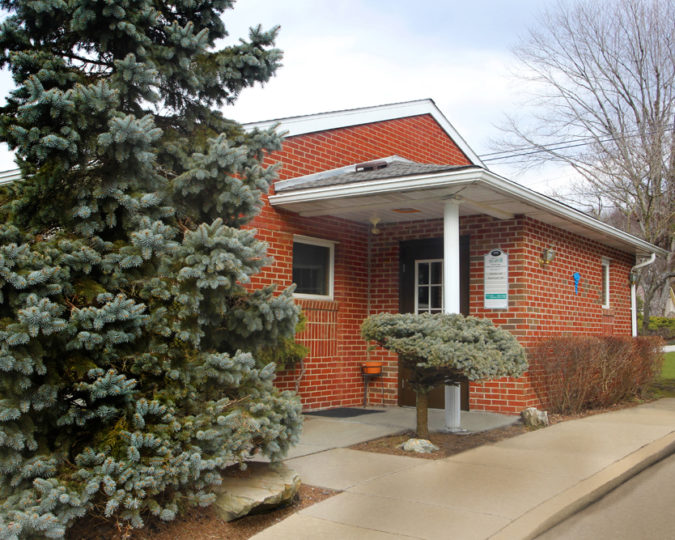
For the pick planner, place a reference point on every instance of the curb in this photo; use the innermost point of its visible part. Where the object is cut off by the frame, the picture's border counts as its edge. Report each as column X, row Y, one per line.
column 561, row 506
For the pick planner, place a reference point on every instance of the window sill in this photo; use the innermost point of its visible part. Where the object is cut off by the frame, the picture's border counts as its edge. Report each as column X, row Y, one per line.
column 316, row 304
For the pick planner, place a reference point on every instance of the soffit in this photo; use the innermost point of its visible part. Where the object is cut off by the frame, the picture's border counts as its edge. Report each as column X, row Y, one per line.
column 477, row 191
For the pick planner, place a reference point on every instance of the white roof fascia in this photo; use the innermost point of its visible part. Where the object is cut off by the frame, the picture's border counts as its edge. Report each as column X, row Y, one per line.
column 7, row 177
column 554, row 207
column 459, row 179
column 373, row 187
column 300, row 125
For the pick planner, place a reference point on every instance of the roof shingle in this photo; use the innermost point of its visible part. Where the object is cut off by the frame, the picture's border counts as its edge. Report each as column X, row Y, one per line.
column 394, row 169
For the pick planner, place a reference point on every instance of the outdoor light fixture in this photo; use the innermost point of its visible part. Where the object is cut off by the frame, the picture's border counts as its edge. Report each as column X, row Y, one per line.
column 374, row 221
column 633, row 278
column 547, row 256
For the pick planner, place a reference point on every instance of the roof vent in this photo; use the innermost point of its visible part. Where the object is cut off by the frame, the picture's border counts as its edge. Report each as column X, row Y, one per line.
column 371, row 165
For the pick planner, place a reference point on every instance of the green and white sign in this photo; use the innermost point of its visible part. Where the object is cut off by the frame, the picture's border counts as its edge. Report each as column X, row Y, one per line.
column 496, row 280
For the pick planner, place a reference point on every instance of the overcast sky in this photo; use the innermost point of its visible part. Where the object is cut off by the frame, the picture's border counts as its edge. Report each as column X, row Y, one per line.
column 354, row 53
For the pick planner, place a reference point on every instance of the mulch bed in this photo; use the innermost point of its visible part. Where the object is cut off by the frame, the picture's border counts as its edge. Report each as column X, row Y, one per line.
column 448, row 443
column 198, row 523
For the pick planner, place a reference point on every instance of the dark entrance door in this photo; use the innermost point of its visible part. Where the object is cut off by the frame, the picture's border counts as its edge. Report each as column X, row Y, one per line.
column 420, row 290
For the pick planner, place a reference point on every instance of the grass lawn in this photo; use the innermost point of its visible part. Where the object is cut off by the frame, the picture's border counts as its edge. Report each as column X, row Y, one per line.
column 664, row 386
column 668, row 371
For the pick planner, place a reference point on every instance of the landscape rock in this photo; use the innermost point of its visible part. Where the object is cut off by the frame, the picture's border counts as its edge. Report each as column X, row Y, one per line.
column 533, row 417
column 265, row 488
column 421, row 446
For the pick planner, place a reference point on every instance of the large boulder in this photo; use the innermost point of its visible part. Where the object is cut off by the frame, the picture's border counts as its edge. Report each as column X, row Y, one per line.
column 264, row 488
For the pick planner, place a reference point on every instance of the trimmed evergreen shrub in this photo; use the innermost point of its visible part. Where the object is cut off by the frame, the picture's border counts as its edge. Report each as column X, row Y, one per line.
column 445, row 349
column 575, row 373
column 129, row 339
column 660, row 326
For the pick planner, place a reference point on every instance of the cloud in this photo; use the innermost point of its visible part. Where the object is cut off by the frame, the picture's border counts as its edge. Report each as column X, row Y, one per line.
column 343, row 54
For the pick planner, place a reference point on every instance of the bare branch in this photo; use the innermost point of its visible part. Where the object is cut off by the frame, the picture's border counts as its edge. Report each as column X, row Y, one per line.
column 602, row 75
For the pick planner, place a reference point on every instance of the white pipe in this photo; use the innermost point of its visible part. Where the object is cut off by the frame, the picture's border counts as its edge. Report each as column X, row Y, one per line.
column 633, row 295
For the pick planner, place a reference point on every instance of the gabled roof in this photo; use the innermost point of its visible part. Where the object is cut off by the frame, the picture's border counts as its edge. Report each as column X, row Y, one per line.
column 311, row 123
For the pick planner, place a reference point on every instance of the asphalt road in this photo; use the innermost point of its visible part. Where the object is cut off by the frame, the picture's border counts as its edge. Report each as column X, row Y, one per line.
column 641, row 508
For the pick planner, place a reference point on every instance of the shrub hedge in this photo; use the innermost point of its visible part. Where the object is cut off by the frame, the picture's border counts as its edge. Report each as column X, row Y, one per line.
column 659, row 326
column 577, row 373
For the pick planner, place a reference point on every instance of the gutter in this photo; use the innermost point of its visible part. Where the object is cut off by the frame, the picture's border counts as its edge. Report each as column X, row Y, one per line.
column 430, row 181
column 633, row 294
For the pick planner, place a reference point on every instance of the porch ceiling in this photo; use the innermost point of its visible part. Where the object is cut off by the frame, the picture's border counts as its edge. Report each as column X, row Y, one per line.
column 477, row 191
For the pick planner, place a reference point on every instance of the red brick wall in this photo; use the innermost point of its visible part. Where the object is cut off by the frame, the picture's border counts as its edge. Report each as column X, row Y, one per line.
column 418, row 138
column 507, row 395
column 541, row 299
column 333, row 375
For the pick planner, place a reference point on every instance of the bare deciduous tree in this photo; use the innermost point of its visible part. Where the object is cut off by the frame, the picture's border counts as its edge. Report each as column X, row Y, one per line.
column 601, row 75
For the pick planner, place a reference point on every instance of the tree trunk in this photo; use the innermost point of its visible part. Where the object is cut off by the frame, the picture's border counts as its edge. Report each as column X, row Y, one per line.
column 422, row 406
column 646, row 314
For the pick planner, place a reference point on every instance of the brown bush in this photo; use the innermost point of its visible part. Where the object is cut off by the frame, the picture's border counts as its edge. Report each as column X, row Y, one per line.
column 576, row 373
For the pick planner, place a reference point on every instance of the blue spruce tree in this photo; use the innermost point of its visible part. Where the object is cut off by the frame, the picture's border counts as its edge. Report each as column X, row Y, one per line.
column 128, row 334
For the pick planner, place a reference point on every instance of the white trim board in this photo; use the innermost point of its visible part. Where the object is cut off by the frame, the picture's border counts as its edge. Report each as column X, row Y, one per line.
column 459, row 179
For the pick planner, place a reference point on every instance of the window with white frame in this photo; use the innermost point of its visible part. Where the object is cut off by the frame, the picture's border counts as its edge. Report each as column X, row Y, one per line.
column 313, row 261
column 429, row 286
column 604, row 286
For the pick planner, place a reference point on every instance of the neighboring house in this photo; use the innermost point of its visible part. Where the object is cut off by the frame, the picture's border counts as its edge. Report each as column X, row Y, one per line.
column 387, row 209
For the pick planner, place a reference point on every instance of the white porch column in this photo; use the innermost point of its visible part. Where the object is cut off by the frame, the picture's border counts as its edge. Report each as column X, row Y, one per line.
column 451, row 299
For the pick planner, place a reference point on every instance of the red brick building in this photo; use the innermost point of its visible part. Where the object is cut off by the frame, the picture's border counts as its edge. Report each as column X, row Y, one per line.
column 387, row 209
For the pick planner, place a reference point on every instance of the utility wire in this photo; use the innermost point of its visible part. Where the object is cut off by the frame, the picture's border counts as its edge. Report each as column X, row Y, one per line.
column 503, row 155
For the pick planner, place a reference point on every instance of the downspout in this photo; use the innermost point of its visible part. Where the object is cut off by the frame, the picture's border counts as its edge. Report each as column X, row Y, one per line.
column 368, row 293
column 633, row 294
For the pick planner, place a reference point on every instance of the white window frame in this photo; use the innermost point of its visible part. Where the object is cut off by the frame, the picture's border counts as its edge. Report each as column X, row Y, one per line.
column 300, row 239
column 416, row 292
column 604, row 281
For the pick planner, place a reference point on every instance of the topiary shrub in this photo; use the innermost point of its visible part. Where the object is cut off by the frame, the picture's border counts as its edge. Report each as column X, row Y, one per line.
column 445, row 349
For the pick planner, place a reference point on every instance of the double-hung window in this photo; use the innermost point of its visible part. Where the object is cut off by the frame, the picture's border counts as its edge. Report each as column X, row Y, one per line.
column 313, row 262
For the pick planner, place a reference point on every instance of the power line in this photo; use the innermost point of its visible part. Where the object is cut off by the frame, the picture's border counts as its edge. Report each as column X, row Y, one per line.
column 535, row 150
column 573, row 141
column 538, row 149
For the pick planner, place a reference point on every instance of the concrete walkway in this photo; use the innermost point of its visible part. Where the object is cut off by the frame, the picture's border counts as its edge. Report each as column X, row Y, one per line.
column 513, row 489
column 321, row 433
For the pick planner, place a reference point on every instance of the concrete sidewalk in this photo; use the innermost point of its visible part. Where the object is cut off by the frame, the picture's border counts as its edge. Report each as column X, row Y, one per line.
column 513, row 489
column 321, row 433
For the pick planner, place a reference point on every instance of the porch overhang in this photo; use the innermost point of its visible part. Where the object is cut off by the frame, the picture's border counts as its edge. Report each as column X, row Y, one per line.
column 476, row 190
